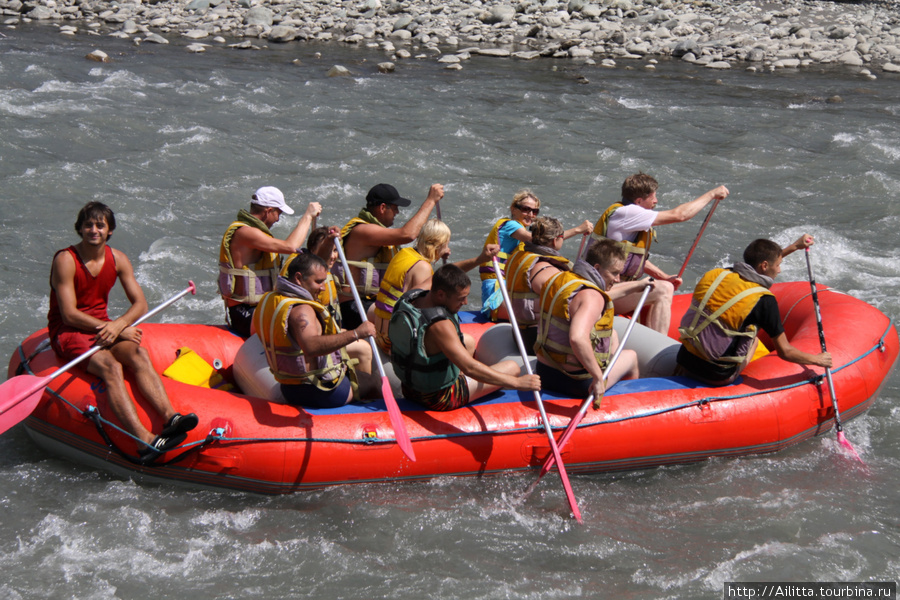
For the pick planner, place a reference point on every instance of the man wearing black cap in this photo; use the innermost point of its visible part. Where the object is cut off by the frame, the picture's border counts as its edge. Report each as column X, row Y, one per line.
column 370, row 242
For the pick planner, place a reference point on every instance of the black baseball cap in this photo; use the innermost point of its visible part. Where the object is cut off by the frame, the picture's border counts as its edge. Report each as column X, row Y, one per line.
column 384, row 193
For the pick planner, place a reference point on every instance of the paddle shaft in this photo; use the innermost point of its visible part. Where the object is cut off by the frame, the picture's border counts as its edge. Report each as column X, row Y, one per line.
column 389, row 400
column 41, row 382
column 699, row 235
column 582, row 410
column 815, row 296
column 584, row 239
column 570, row 495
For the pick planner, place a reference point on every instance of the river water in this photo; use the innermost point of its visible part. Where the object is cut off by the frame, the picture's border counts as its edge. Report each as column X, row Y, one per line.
column 175, row 143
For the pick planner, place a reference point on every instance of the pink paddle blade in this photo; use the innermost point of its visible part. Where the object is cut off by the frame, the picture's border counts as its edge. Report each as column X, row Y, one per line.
column 396, row 419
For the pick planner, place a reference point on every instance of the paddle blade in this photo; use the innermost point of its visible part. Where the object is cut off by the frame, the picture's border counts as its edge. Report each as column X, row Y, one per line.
column 396, row 419
column 846, row 444
column 20, row 395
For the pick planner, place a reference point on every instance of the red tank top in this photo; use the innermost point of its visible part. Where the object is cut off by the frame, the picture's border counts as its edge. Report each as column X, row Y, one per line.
column 91, row 293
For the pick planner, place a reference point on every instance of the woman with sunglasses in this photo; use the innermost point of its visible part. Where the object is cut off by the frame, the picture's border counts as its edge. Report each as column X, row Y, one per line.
column 511, row 233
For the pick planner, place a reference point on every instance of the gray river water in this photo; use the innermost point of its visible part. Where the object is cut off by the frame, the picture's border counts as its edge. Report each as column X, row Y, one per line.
column 176, row 143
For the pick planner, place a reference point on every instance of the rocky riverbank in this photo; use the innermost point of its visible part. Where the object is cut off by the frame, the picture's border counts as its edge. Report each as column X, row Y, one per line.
column 754, row 34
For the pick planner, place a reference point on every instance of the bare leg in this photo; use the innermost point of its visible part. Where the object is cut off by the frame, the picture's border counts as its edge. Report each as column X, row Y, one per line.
column 104, row 365
column 659, row 304
column 469, row 342
column 478, row 389
column 369, row 381
column 137, row 360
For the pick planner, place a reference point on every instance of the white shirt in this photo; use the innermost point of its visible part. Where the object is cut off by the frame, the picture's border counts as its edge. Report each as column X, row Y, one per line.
column 628, row 221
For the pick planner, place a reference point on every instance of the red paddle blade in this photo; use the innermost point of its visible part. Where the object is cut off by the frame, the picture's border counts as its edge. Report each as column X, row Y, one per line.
column 846, row 444
column 20, row 395
column 396, row 419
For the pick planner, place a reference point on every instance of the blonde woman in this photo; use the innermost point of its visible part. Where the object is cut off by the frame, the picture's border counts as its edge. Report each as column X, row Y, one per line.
column 412, row 268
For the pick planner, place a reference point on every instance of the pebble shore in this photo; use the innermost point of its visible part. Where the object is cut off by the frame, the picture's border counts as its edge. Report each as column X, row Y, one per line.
column 758, row 35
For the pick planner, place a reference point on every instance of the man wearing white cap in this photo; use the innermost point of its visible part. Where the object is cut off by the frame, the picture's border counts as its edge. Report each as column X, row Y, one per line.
column 249, row 257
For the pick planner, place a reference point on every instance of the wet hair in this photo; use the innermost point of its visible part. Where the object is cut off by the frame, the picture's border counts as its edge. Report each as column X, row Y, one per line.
column 524, row 195
column 604, row 252
column 544, row 230
column 304, row 264
column 95, row 210
column 639, row 185
column 450, row 279
column 432, row 237
column 761, row 250
column 316, row 236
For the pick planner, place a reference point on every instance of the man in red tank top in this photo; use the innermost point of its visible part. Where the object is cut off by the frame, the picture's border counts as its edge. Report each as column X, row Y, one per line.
column 81, row 278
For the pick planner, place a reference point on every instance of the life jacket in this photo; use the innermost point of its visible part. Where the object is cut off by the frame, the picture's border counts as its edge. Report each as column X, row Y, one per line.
column 372, row 268
column 392, row 289
column 553, row 327
column 520, row 268
column 638, row 250
column 327, row 297
column 722, row 301
column 412, row 365
column 286, row 360
column 486, row 269
column 250, row 282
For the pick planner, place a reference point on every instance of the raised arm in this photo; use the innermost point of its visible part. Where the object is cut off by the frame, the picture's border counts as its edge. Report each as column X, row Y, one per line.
column 375, row 236
column 688, row 210
column 803, row 242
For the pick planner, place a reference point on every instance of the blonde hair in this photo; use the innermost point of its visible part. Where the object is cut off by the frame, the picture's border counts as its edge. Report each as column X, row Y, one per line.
column 544, row 230
column 432, row 237
column 523, row 195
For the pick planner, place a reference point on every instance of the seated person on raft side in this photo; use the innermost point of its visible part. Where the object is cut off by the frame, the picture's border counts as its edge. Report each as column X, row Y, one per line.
column 412, row 268
column 435, row 368
column 631, row 223
column 509, row 234
column 81, row 278
column 575, row 329
column 523, row 271
column 715, row 351
column 370, row 242
column 317, row 364
column 249, row 254
column 321, row 243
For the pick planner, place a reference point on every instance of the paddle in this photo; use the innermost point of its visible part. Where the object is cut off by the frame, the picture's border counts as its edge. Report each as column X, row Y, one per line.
column 22, row 393
column 699, row 235
column 437, row 208
column 582, row 410
column 537, row 395
column 392, row 408
column 837, row 417
column 581, row 247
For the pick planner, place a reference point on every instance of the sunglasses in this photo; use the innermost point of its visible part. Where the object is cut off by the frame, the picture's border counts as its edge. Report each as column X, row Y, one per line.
column 528, row 209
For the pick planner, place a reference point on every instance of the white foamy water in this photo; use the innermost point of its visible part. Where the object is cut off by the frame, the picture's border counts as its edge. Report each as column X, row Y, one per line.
column 176, row 143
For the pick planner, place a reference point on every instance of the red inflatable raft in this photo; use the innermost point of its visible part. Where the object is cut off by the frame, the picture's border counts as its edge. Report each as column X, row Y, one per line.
column 246, row 443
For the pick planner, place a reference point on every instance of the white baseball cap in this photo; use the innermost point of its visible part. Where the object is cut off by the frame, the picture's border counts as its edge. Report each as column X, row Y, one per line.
column 271, row 197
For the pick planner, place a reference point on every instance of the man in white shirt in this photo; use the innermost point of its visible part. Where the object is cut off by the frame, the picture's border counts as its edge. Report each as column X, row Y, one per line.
column 631, row 222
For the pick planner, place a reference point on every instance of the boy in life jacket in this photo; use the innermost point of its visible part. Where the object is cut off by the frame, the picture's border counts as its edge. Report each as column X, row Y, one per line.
column 370, row 242
column 631, row 222
column 412, row 268
column 81, row 278
column 435, row 368
column 317, row 364
column 249, row 255
column 576, row 338
column 510, row 233
column 729, row 307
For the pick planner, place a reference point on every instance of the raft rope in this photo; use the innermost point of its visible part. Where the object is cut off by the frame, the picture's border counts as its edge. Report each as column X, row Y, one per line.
column 219, row 434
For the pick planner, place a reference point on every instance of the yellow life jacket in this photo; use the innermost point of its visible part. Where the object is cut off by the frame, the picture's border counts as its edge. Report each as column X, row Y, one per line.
column 286, row 361
column 250, row 282
column 722, row 301
column 486, row 269
column 553, row 328
column 372, row 268
column 638, row 250
column 519, row 271
column 391, row 290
